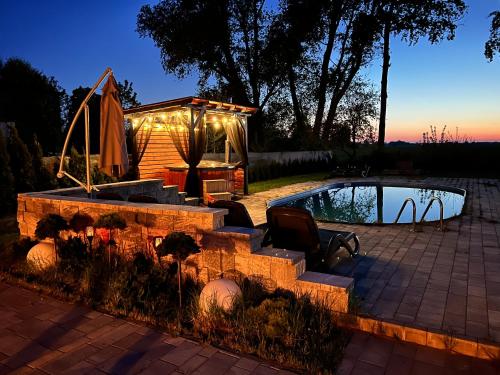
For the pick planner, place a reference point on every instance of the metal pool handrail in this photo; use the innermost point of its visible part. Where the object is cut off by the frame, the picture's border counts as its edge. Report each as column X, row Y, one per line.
column 414, row 213
column 441, row 211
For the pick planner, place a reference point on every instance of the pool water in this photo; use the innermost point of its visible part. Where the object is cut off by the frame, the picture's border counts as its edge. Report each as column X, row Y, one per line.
column 375, row 203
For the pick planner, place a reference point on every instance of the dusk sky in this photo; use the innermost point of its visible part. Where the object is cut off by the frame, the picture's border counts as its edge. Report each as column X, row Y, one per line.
column 446, row 84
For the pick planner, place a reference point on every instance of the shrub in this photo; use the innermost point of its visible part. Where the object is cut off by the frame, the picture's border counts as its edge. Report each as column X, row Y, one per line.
column 262, row 171
column 20, row 162
column 44, row 178
column 49, row 227
column 7, row 178
column 13, row 252
column 110, row 221
column 79, row 222
column 277, row 326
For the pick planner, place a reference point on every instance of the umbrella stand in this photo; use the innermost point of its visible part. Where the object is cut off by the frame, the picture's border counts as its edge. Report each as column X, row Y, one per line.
column 83, row 107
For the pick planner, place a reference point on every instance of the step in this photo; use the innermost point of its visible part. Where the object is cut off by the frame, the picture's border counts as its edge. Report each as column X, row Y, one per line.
column 192, row 201
column 222, row 196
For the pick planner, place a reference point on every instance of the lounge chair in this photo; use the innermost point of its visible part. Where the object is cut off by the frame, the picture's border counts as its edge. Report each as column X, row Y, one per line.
column 109, row 196
column 295, row 229
column 238, row 215
column 139, row 198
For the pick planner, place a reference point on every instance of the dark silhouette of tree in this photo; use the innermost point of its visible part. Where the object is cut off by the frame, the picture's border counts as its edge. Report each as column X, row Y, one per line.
column 78, row 135
column 413, row 19
column 224, row 40
column 357, row 114
column 33, row 102
column 349, row 33
column 21, row 163
column 127, row 95
column 128, row 98
column 492, row 46
column 256, row 50
column 7, row 178
column 44, row 178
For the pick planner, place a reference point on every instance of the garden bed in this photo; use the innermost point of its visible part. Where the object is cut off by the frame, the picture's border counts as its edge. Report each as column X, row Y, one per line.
column 276, row 326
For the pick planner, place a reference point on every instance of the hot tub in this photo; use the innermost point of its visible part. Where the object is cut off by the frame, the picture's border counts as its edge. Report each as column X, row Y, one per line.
column 207, row 170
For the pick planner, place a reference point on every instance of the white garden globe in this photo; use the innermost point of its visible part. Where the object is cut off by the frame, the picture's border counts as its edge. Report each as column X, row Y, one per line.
column 42, row 255
column 220, row 292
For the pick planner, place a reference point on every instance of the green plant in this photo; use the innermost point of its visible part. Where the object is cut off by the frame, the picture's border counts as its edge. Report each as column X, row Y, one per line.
column 280, row 326
column 79, row 222
column 7, row 178
column 110, row 222
column 20, row 162
column 180, row 246
column 49, row 227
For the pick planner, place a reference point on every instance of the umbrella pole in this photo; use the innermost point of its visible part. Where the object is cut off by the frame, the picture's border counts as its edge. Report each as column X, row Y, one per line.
column 61, row 173
column 87, row 151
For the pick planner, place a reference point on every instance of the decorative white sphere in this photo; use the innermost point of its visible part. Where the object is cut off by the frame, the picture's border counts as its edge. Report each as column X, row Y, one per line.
column 42, row 255
column 220, row 292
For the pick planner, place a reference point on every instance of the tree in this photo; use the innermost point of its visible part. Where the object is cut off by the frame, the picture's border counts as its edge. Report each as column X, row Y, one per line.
column 413, row 19
column 33, row 101
column 225, row 41
column 7, row 185
column 255, row 50
column 128, row 98
column 21, row 163
column 357, row 114
column 492, row 46
column 110, row 222
column 127, row 95
column 180, row 246
column 43, row 178
column 78, row 135
column 50, row 226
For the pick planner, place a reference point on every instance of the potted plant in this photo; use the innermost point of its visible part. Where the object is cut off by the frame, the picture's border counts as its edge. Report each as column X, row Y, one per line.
column 180, row 246
column 49, row 227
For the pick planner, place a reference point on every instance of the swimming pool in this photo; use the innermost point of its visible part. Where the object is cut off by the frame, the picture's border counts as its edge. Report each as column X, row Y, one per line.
column 375, row 203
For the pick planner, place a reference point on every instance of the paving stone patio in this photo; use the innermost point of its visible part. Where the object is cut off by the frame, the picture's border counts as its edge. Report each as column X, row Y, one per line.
column 446, row 281
column 41, row 335
column 372, row 355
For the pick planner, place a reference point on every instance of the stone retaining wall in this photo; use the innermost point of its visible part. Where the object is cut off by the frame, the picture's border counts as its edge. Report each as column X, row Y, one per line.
column 232, row 251
column 152, row 187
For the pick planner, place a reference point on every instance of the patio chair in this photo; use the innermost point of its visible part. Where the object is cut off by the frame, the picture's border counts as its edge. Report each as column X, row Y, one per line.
column 109, row 196
column 140, row 198
column 238, row 215
column 295, row 229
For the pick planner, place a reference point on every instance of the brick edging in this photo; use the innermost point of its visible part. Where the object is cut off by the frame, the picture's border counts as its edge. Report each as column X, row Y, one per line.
column 458, row 345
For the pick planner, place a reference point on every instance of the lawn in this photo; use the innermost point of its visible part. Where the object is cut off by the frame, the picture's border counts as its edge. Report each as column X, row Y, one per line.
column 256, row 187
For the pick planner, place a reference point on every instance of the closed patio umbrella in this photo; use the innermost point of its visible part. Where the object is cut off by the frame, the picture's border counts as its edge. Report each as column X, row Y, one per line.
column 113, row 157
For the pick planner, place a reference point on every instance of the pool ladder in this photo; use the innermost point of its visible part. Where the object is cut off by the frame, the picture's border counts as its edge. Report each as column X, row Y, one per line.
column 414, row 212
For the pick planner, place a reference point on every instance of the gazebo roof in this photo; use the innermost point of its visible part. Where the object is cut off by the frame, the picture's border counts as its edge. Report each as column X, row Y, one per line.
column 193, row 102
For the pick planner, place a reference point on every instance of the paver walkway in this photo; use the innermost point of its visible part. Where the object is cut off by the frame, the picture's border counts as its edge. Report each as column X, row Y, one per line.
column 41, row 335
column 445, row 281
column 372, row 355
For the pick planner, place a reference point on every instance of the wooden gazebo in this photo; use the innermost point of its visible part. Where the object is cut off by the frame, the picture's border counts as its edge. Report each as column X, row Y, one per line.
column 170, row 140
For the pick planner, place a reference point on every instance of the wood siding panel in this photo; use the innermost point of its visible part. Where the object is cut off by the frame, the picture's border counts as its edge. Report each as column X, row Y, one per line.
column 160, row 153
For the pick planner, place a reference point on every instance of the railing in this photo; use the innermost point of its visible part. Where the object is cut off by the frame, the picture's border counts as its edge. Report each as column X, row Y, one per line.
column 414, row 213
column 441, row 212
